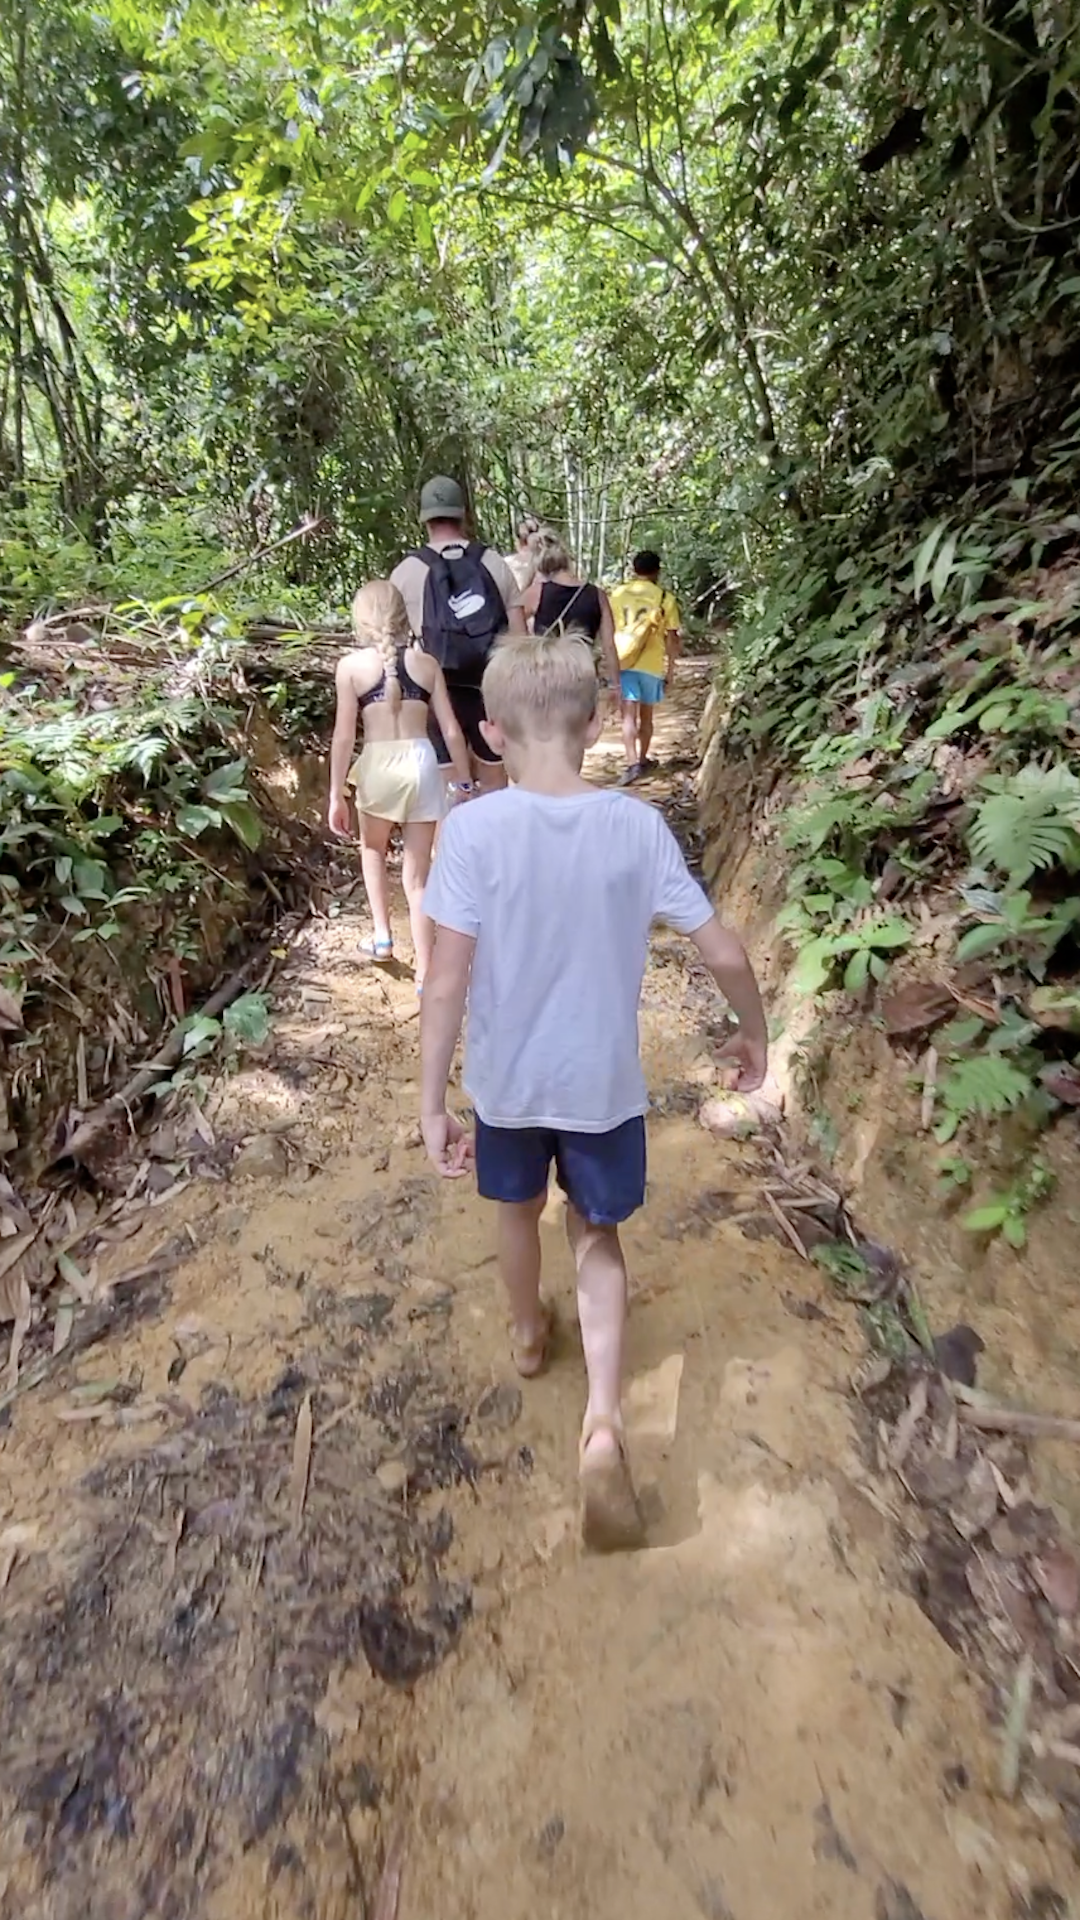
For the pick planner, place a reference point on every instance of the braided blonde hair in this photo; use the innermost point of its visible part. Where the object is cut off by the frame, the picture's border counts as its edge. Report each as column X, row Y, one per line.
column 380, row 620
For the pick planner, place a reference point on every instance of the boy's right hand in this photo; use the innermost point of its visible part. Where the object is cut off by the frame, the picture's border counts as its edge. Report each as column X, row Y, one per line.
column 449, row 1146
column 744, row 1061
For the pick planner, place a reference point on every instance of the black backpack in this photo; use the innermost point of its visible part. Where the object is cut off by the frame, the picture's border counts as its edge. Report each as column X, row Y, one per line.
column 463, row 610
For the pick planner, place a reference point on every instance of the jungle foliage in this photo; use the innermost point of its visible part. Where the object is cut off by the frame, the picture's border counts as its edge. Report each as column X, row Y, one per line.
column 727, row 274
column 790, row 288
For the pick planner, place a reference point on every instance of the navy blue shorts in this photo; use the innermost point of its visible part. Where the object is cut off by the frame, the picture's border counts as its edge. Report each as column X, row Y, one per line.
column 601, row 1174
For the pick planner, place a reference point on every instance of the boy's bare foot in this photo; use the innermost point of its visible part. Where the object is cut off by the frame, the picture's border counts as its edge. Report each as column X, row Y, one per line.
column 529, row 1345
column 611, row 1520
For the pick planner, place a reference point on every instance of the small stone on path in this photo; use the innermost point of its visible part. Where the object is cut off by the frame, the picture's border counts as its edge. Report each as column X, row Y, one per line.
column 263, row 1158
column 733, row 1116
column 500, row 1406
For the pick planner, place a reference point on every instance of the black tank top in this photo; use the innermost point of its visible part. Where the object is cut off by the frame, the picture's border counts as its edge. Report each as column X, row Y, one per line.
column 410, row 688
column 578, row 606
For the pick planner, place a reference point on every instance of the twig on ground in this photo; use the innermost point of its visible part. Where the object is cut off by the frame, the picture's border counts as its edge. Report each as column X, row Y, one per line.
column 1037, row 1426
column 301, row 1466
column 335, row 1419
column 1016, row 1725
column 1055, row 1750
column 930, row 1067
column 386, row 1900
column 907, row 1425
column 782, row 1221
column 978, row 1410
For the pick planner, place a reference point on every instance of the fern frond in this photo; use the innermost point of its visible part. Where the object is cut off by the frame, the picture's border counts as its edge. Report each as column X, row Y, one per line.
column 984, row 1084
column 1029, row 821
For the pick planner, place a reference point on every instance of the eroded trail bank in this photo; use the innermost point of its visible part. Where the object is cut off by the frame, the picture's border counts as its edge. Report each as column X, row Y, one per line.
column 295, row 1619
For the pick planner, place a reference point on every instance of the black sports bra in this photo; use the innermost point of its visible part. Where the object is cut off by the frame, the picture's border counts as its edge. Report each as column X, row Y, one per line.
column 410, row 688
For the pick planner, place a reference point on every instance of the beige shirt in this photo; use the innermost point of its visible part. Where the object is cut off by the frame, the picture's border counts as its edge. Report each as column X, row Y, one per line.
column 522, row 565
column 410, row 579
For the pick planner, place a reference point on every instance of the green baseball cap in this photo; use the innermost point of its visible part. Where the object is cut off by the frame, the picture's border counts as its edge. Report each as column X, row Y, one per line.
column 441, row 499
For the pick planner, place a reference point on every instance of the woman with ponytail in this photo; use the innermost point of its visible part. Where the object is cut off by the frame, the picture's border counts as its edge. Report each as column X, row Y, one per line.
column 522, row 562
column 558, row 600
column 392, row 683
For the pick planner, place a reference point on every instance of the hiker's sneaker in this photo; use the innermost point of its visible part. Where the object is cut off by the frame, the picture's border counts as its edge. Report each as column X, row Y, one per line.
column 631, row 774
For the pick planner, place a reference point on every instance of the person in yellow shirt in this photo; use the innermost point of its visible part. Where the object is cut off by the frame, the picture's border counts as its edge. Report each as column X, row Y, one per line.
column 647, row 633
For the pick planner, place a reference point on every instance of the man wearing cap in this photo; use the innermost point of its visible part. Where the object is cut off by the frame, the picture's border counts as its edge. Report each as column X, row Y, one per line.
column 443, row 512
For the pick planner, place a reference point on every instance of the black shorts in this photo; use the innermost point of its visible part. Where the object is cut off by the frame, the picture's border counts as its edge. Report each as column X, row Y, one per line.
column 468, row 705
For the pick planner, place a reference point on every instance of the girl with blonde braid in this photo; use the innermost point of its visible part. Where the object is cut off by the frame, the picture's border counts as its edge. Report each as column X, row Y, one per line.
column 397, row 779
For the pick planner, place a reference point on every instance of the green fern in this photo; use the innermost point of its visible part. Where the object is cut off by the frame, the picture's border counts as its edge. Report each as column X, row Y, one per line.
column 1030, row 820
column 985, row 1084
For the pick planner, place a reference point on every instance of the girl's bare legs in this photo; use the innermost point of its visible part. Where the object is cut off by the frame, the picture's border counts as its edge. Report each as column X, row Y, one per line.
column 418, row 838
column 374, row 843
column 518, row 1241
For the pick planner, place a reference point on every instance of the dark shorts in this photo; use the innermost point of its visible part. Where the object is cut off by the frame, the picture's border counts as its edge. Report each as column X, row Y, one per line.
column 468, row 705
column 601, row 1174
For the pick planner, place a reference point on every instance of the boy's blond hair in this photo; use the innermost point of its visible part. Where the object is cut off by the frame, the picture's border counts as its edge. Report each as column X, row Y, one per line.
column 540, row 686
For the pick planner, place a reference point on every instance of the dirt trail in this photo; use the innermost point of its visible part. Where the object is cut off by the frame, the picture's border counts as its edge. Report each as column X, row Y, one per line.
column 237, row 1683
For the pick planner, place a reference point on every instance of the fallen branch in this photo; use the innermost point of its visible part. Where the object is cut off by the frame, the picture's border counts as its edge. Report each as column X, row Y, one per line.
column 1038, row 1426
column 307, row 529
column 276, row 631
column 978, row 1410
column 73, row 1152
column 91, row 1324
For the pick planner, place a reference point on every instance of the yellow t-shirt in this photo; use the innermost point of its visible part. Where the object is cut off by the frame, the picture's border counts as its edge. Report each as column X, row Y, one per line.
column 632, row 604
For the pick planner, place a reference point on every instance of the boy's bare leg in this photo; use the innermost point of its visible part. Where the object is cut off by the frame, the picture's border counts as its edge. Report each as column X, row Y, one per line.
column 630, row 714
column 518, row 1241
column 612, row 1517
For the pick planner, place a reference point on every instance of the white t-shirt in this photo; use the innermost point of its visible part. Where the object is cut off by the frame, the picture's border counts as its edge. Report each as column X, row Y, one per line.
column 559, row 894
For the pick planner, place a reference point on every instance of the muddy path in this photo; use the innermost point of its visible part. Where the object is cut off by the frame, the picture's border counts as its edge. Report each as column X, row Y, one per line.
column 295, row 1620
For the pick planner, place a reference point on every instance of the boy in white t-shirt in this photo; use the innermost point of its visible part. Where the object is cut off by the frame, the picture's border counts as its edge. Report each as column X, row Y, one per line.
column 543, row 896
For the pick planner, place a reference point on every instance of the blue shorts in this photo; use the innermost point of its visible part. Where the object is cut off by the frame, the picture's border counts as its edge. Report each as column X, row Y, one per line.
column 647, row 688
column 601, row 1174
